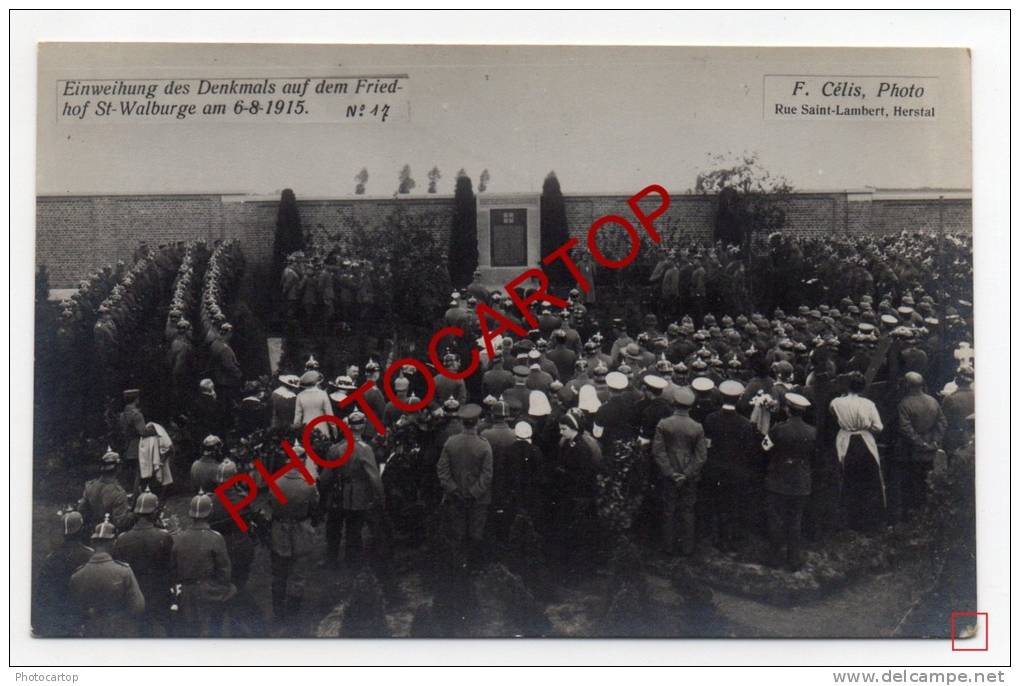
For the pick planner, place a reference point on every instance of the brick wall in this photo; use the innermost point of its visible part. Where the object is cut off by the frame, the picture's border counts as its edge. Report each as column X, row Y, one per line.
column 77, row 233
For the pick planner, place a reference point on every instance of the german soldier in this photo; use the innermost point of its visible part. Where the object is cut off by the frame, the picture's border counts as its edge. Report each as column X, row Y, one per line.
column 105, row 591
column 105, row 495
column 147, row 548
column 240, row 546
column 465, row 473
column 291, row 539
column 788, row 480
column 350, row 492
column 680, row 451
column 52, row 608
column 202, row 568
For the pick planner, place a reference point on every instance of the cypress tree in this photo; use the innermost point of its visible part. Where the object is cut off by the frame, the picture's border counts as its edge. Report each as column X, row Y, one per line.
column 554, row 231
column 289, row 236
column 463, row 251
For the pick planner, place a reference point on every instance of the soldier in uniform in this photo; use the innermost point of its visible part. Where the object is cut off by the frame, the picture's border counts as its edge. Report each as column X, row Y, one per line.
column 957, row 407
column 680, row 451
column 476, row 288
column 504, row 506
column 132, row 429
column 465, row 473
column 206, row 467
column 226, row 372
column 105, row 592
column 374, row 396
column 147, row 548
column 201, row 566
column 105, row 495
column 181, row 362
column 290, row 285
column 447, row 387
column 327, row 295
column 731, row 469
column 921, row 427
column 350, row 492
column 497, row 379
column 52, row 610
column 291, row 536
column 654, row 407
column 616, row 419
column 240, row 546
column 788, row 481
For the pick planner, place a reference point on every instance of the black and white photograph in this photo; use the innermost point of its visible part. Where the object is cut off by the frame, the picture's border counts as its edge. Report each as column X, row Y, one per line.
column 504, row 341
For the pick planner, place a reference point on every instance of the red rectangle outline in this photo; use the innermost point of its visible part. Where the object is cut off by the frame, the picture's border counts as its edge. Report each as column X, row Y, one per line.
column 952, row 630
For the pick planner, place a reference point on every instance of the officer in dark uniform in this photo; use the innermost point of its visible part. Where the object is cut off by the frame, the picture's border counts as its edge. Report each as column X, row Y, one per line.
column 788, row 480
column 105, row 496
column 105, row 592
column 147, row 548
column 654, row 407
column 616, row 419
column 501, row 437
column 201, row 566
column 52, row 610
column 731, row 469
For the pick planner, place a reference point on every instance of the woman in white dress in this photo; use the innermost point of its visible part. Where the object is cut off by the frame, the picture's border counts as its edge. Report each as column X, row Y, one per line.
column 863, row 492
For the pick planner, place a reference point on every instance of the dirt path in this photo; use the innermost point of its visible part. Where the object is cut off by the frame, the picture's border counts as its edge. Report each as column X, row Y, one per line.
column 872, row 607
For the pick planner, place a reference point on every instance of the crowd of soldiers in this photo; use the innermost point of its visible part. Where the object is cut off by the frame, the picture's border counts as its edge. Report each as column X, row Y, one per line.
column 319, row 290
column 180, row 357
column 732, row 425
column 191, row 353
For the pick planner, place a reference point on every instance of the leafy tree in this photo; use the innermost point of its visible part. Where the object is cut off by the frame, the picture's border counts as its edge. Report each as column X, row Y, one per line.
column 411, row 287
column 483, row 181
column 406, row 182
column 289, row 237
column 434, row 177
column 463, row 249
column 750, row 200
column 362, row 179
column 554, row 230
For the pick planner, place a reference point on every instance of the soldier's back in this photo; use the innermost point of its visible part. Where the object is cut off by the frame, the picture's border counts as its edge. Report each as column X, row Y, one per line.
column 107, row 596
column 194, row 552
column 146, row 548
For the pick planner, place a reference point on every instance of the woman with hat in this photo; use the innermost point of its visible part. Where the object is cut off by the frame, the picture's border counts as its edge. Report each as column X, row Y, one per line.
column 312, row 402
column 282, row 401
column 575, row 485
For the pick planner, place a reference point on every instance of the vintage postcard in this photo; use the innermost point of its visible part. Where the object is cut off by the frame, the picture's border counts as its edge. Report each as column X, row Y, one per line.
column 503, row 341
